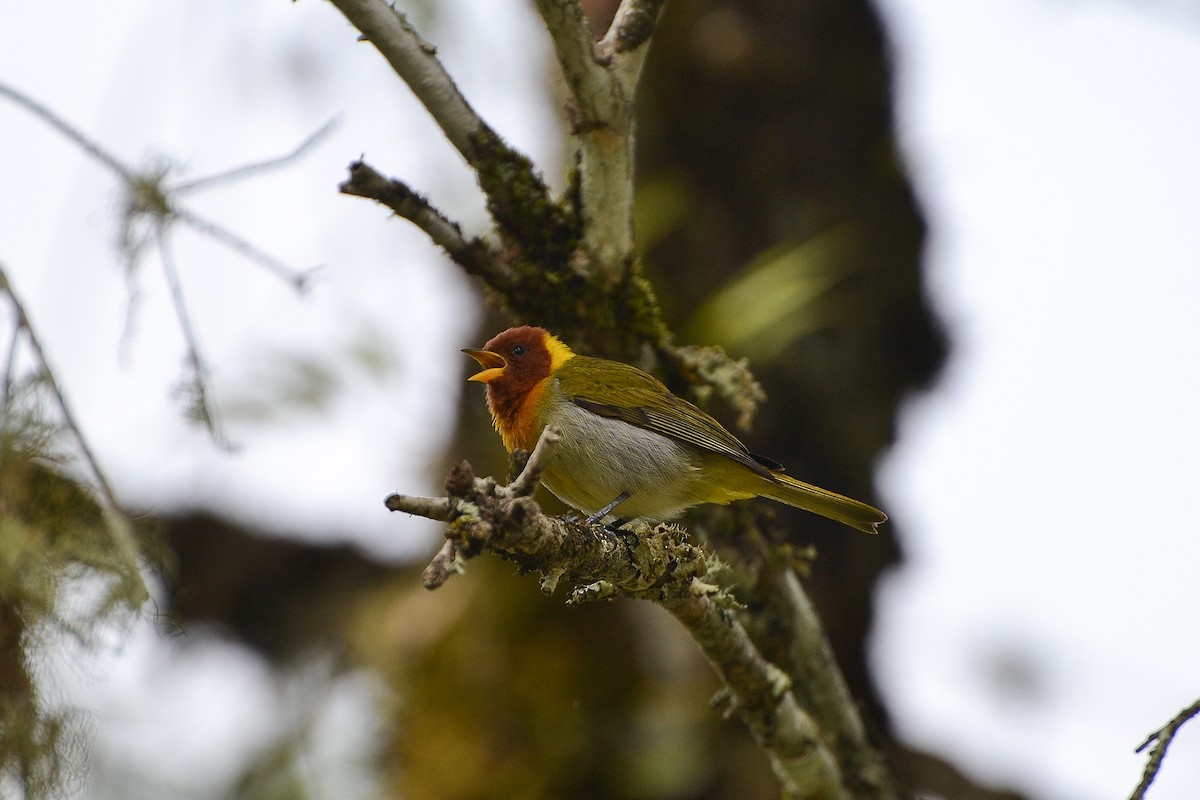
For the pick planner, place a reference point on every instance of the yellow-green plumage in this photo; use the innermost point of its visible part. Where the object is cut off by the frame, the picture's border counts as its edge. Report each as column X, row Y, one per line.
column 625, row 432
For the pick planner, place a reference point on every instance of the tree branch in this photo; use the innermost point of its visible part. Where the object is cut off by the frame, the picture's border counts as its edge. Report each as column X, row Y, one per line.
column 297, row 278
column 601, row 80
column 473, row 255
column 118, row 526
column 415, row 61
column 589, row 83
column 1161, row 739
column 71, row 132
column 659, row 565
column 761, row 694
column 517, row 197
column 631, row 28
column 201, row 407
column 820, row 687
column 258, row 167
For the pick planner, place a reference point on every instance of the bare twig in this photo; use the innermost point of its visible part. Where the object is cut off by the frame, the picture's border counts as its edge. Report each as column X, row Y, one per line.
column 473, row 255
column 298, row 278
column 436, row 508
column 149, row 198
column 258, row 167
column 148, row 193
column 119, row 527
column 446, row 563
column 71, row 132
column 1161, row 739
column 539, row 459
column 205, row 409
column 517, row 197
column 10, row 367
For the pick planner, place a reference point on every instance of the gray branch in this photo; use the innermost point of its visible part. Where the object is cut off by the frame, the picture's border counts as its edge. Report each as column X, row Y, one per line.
column 601, row 79
column 659, row 565
column 473, row 255
column 415, row 61
column 820, row 686
column 1161, row 739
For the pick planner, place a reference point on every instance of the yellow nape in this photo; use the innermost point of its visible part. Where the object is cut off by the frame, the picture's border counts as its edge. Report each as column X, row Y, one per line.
column 559, row 352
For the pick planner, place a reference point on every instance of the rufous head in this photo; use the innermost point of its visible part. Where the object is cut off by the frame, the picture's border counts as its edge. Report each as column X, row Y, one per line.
column 517, row 359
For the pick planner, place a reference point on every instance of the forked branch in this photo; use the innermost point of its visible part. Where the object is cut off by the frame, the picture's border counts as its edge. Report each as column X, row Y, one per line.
column 656, row 564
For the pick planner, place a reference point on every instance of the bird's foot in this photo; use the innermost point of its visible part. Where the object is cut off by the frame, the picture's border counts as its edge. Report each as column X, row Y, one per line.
column 617, row 525
column 616, row 532
column 604, row 512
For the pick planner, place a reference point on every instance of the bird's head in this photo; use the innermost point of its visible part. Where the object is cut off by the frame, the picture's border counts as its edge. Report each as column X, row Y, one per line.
column 518, row 359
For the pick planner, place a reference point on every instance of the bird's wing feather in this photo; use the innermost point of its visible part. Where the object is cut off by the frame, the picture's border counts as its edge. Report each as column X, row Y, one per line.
column 619, row 391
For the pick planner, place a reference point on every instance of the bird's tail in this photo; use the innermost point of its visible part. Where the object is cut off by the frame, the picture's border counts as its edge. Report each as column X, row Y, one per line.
column 829, row 504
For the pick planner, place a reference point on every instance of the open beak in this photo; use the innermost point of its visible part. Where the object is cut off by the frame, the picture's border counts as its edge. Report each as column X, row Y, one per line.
column 493, row 365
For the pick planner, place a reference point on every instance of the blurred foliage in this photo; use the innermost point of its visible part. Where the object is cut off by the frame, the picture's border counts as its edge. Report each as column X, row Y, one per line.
column 779, row 297
column 288, row 599
column 788, row 234
column 59, row 578
column 290, row 381
column 507, row 693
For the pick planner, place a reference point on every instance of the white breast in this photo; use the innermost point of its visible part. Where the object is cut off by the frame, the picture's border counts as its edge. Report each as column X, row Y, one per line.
column 600, row 458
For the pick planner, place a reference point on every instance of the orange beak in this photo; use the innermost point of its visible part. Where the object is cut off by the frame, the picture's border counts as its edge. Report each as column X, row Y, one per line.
column 493, row 365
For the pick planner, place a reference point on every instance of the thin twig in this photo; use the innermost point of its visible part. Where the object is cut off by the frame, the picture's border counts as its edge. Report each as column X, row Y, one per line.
column 539, row 459
column 9, row 371
column 150, row 196
column 297, row 278
column 70, row 131
column 435, row 508
column 446, row 563
column 206, row 410
column 118, row 527
column 517, row 196
column 1161, row 739
column 248, row 170
column 48, row 376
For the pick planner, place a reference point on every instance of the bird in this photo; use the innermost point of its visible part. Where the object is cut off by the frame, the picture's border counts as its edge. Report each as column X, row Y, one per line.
column 630, row 447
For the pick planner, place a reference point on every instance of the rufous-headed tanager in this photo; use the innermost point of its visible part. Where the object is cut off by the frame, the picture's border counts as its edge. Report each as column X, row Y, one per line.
column 630, row 446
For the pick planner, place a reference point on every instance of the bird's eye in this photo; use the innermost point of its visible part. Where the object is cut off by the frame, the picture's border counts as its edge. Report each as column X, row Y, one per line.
column 519, row 350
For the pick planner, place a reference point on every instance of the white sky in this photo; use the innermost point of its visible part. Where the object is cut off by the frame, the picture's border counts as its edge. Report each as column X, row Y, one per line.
column 1046, row 621
column 1047, row 486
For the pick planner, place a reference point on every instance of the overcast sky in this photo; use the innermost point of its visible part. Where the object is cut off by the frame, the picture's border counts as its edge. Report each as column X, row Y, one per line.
column 1047, row 619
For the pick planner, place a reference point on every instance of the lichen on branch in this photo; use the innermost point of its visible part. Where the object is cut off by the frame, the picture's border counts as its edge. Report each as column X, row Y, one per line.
column 656, row 563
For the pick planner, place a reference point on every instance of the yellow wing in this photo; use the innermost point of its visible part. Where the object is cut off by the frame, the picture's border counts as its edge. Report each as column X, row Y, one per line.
column 619, row 391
